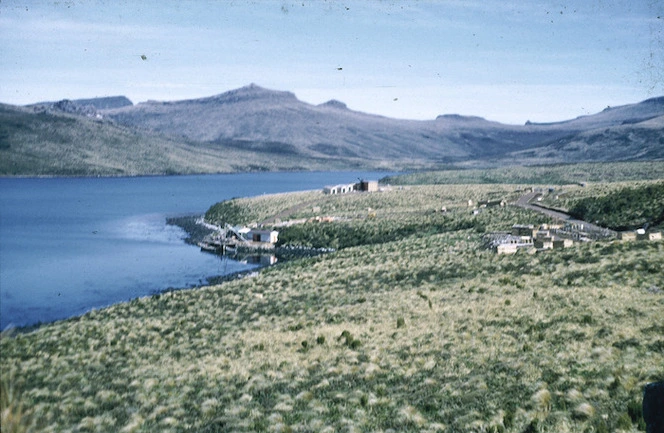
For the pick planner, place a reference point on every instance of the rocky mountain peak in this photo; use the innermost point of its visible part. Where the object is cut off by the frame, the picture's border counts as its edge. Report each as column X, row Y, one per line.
column 333, row 103
column 71, row 107
column 84, row 107
column 459, row 117
column 106, row 102
column 252, row 92
column 654, row 101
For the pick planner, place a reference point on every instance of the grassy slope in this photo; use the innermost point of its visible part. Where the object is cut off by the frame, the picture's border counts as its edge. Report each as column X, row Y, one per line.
column 561, row 174
column 50, row 144
column 628, row 208
column 47, row 144
column 416, row 333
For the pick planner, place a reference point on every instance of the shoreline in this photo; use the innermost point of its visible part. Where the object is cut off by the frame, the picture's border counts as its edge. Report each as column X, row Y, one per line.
column 190, row 225
column 196, row 229
column 112, row 288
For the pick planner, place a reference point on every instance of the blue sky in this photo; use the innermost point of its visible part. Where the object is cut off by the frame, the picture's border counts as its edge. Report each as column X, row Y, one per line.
column 508, row 61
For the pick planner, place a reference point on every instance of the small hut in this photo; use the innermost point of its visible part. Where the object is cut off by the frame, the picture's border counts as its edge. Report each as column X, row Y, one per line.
column 368, row 186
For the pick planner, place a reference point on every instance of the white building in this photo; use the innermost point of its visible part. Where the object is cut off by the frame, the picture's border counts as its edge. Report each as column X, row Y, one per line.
column 265, row 236
column 339, row 189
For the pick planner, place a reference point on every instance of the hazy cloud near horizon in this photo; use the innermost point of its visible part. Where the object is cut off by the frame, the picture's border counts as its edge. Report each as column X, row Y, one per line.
column 506, row 61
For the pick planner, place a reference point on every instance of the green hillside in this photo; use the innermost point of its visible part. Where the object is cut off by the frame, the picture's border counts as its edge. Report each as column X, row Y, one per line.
column 550, row 174
column 627, row 208
column 410, row 326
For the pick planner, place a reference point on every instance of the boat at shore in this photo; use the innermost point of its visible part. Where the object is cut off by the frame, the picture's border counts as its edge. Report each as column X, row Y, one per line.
column 217, row 247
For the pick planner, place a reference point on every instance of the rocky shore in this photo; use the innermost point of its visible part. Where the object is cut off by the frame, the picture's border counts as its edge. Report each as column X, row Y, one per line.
column 191, row 224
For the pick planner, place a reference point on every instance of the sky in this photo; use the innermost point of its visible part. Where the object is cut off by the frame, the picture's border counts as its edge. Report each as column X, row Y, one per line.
column 508, row 61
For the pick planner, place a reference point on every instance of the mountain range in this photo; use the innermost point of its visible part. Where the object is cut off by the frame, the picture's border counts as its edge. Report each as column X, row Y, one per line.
column 253, row 128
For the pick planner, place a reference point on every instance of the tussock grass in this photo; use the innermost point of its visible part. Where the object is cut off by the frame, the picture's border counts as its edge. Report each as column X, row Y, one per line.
column 410, row 333
column 549, row 174
column 14, row 417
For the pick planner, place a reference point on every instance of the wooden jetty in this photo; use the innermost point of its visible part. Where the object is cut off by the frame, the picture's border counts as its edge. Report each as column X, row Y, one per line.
column 230, row 239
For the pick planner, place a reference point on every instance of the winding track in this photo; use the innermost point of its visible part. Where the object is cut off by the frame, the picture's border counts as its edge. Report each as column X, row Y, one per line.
column 524, row 202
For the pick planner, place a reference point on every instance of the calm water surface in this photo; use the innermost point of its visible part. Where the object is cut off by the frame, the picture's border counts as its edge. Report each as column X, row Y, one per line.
column 70, row 245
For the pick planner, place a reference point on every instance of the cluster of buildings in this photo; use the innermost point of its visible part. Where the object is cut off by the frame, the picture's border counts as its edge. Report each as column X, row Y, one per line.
column 229, row 238
column 640, row 235
column 362, row 185
column 546, row 237
column 526, row 236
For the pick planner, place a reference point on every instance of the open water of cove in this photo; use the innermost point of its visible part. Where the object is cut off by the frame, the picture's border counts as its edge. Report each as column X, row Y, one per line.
column 68, row 245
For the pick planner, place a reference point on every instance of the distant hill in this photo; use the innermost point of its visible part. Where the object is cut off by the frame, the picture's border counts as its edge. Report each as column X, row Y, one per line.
column 253, row 128
column 82, row 107
column 629, row 141
column 102, row 103
column 273, row 121
column 48, row 143
column 54, row 143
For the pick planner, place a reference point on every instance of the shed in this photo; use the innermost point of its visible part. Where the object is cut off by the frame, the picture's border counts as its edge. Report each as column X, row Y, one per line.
column 503, row 243
column 506, row 248
column 491, row 203
column 562, row 243
column 265, row 236
column 627, row 236
column 541, row 244
column 368, row 186
column 339, row 189
column 523, row 230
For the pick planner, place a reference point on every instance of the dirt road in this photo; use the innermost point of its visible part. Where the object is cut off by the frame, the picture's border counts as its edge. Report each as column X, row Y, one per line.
column 525, row 202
